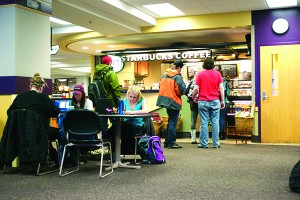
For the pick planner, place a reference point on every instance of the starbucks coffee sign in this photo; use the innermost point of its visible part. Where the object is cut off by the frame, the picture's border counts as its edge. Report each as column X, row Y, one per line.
column 200, row 54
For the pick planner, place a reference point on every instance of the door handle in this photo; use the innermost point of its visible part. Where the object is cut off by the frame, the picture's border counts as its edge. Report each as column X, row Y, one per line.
column 264, row 95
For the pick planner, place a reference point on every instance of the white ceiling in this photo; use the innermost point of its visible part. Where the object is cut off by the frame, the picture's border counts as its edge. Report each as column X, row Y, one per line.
column 118, row 27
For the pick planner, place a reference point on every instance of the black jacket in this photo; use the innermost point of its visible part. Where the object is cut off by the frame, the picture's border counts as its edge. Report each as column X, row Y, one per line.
column 37, row 102
column 24, row 136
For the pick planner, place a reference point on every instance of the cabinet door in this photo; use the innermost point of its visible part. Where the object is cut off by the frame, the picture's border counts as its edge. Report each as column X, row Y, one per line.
column 141, row 68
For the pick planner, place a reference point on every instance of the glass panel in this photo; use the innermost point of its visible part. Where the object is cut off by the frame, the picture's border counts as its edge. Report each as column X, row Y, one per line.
column 275, row 74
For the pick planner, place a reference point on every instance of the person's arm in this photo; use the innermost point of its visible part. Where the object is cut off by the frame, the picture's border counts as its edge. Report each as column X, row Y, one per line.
column 221, row 89
column 11, row 107
column 188, row 89
column 51, row 109
column 89, row 105
column 144, row 109
column 195, row 92
column 115, row 85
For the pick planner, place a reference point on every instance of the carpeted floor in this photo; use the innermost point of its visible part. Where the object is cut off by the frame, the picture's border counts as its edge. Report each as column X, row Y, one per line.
column 235, row 171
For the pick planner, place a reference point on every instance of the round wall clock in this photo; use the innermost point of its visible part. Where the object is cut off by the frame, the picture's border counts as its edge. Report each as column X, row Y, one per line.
column 117, row 63
column 280, row 26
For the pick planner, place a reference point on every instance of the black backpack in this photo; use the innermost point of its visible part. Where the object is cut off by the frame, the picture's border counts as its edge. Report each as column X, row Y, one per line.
column 294, row 180
column 96, row 89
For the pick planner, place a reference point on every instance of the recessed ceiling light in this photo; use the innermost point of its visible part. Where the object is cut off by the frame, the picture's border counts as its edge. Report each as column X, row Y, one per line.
column 164, row 9
column 98, row 51
column 281, row 3
column 85, row 48
column 97, row 42
column 111, row 46
column 78, row 69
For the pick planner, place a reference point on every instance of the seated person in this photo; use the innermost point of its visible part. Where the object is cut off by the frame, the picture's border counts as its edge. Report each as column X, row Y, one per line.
column 41, row 104
column 79, row 101
column 134, row 103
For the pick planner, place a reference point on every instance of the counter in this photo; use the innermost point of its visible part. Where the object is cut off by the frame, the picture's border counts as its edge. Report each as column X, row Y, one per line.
column 143, row 91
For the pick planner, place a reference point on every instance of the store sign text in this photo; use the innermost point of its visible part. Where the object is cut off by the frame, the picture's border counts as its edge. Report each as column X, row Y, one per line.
column 201, row 54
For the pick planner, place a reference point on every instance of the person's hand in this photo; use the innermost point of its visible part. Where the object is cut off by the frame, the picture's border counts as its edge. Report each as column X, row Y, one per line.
column 222, row 105
column 195, row 100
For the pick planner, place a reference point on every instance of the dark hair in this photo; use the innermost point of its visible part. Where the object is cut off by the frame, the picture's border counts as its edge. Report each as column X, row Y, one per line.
column 208, row 63
column 178, row 64
column 82, row 102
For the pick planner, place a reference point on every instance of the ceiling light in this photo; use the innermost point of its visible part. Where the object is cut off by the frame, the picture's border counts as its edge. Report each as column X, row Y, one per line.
column 281, row 3
column 78, row 69
column 85, row 48
column 98, row 51
column 58, row 21
column 164, row 9
column 97, row 42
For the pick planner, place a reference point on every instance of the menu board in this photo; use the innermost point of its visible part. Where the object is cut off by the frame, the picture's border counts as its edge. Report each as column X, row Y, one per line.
column 230, row 70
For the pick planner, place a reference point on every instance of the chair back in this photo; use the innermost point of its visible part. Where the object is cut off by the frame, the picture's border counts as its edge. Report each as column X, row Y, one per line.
column 81, row 122
column 24, row 136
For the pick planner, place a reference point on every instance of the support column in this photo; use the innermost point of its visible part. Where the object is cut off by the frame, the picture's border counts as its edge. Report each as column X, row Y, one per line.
column 24, row 49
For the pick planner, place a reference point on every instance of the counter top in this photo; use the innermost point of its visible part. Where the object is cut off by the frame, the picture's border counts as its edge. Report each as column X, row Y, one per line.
column 143, row 91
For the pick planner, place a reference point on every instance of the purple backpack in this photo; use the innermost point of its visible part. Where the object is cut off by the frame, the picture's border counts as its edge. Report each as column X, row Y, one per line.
column 151, row 151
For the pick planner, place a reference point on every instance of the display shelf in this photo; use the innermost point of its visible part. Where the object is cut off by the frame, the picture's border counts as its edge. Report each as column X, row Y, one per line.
column 240, row 98
column 239, row 84
column 238, row 106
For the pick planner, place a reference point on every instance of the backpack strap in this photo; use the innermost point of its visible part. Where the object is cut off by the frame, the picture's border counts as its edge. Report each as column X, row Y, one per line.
column 103, row 74
column 102, row 92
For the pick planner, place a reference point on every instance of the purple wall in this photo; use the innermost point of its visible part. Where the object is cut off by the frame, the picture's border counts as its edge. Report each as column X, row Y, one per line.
column 264, row 36
column 18, row 84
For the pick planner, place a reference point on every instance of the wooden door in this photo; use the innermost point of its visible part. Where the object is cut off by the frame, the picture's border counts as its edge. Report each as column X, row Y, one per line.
column 280, row 82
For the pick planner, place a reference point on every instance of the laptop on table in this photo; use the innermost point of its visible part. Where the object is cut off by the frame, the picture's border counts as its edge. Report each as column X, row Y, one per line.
column 63, row 104
column 103, row 106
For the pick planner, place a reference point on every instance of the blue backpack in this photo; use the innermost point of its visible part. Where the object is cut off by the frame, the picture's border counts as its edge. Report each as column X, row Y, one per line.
column 150, row 150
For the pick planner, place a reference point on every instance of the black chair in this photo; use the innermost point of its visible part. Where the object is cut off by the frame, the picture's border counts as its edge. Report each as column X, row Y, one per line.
column 25, row 138
column 83, row 130
column 128, row 142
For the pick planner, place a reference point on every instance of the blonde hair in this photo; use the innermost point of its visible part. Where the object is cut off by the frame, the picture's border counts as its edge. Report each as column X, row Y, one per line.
column 135, row 90
column 37, row 81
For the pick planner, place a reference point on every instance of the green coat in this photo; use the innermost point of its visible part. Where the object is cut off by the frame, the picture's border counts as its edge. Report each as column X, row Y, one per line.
column 110, row 81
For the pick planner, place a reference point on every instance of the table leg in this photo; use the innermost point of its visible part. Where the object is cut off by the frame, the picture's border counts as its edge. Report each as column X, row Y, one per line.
column 118, row 163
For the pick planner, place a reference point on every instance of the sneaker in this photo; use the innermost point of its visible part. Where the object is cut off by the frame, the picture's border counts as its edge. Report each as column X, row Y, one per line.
column 202, row 147
column 166, row 145
column 174, row 146
column 217, row 147
column 194, row 142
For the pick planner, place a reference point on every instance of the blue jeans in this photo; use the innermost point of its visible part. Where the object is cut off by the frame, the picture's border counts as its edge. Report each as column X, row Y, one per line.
column 194, row 114
column 209, row 111
column 171, row 127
